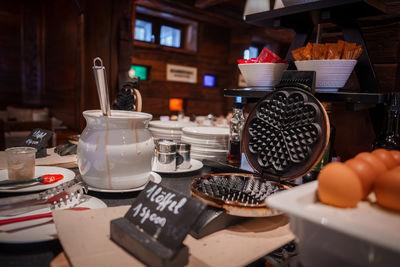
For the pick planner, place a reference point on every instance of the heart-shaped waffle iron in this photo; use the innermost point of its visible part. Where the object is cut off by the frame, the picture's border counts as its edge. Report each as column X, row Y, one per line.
column 286, row 134
column 284, row 137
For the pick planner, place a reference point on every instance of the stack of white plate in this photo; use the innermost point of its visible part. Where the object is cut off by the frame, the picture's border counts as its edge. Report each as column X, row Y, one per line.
column 207, row 142
column 168, row 129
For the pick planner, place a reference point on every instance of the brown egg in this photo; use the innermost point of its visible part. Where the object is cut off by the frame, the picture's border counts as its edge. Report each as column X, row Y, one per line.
column 365, row 172
column 396, row 156
column 339, row 185
column 387, row 189
column 386, row 157
column 373, row 160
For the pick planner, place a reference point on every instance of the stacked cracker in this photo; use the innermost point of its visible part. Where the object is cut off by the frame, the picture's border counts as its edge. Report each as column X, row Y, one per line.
column 339, row 50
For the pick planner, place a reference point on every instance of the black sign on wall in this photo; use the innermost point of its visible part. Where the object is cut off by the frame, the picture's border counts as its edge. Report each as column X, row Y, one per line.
column 164, row 214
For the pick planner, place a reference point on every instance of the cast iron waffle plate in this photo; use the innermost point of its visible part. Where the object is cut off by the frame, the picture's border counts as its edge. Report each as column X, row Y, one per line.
column 286, row 134
column 284, row 137
column 239, row 194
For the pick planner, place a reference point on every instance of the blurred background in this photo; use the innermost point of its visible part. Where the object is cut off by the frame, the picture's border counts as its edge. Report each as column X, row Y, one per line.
column 184, row 51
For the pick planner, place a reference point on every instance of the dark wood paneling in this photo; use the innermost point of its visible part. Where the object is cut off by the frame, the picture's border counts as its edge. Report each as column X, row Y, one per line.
column 62, row 61
column 387, row 76
column 98, row 17
column 383, row 42
column 354, row 132
column 32, row 53
column 10, row 55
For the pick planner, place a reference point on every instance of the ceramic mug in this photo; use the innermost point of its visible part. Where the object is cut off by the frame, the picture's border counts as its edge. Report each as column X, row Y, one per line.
column 115, row 152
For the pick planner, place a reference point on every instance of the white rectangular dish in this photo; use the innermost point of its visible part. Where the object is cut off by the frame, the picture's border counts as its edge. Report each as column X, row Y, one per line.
column 328, row 236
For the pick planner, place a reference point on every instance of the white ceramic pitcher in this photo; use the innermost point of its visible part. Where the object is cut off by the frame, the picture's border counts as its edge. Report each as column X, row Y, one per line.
column 115, row 152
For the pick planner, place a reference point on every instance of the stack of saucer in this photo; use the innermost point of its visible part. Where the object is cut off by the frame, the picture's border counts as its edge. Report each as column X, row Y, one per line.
column 207, row 142
column 168, row 129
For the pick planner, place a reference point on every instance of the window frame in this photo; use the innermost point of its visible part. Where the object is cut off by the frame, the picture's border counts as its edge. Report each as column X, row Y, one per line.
column 157, row 22
column 189, row 30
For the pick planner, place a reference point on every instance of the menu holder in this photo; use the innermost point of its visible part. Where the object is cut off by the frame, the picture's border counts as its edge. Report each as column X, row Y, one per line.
column 38, row 139
column 155, row 226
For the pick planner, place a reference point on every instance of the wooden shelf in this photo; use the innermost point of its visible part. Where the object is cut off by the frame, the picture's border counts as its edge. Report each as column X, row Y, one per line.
column 296, row 15
column 357, row 100
column 303, row 17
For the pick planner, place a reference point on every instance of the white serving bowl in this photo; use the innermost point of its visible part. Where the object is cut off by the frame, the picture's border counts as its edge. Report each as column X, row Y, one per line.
column 331, row 74
column 262, row 74
column 367, row 235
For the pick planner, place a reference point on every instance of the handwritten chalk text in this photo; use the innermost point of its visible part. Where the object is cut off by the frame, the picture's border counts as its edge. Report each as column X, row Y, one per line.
column 145, row 214
column 164, row 199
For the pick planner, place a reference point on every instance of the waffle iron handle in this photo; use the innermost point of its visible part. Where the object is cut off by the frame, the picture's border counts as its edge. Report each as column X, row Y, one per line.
column 225, row 167
column 301, row 79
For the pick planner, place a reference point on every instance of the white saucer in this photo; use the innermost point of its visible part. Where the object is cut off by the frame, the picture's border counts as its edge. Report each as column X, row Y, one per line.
column 196, row 165
column 154, row 177
column 41, row 229
column 39, row 170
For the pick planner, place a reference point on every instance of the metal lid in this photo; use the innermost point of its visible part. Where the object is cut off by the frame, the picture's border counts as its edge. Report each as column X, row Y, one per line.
column 166, row 146
column 285, row 134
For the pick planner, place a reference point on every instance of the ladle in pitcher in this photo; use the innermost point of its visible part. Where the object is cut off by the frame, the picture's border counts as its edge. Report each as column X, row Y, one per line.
column 102, row 89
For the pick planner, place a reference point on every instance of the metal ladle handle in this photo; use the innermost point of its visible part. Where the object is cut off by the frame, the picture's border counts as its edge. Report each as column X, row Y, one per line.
column 102, row 89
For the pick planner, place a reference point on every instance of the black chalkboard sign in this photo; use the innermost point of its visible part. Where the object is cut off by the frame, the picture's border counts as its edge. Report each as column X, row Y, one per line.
column 38, row 139
column 164, row 214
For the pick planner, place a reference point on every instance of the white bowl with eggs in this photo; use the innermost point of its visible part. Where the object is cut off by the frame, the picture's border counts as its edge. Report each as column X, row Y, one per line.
column 331, row 74
column 367, row 235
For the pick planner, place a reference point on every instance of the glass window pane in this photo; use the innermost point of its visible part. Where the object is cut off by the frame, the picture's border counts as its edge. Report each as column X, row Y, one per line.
column 253, row 52
column 143, row 31
column 170, row 36
column 246, row 54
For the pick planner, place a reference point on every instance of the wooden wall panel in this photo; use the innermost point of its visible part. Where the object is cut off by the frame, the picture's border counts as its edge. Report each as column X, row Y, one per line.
column 211, row 58
column 62, row 61
column 32, row 69
column 354, row 131
column 383, row 42
column 10, row 56
column 387, row 77
column 98, row 17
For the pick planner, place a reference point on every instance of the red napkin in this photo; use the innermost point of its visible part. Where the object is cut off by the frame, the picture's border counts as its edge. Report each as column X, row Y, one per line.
column 266, row 56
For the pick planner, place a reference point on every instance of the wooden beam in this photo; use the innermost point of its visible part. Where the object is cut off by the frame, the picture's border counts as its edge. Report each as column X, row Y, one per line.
column 191, row 12
column 207, row 3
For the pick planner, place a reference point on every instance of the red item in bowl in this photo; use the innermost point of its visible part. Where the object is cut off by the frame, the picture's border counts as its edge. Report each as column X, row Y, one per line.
column 247, row 61
column 267, row 56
